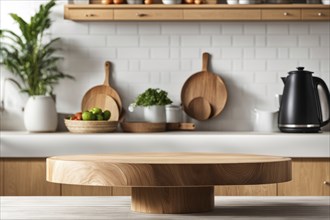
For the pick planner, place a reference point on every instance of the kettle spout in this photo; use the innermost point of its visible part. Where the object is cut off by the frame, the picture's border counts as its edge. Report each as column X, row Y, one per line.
column 283, row 79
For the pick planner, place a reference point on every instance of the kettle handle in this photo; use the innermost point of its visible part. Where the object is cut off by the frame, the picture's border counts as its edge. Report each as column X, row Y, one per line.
column 319, row 81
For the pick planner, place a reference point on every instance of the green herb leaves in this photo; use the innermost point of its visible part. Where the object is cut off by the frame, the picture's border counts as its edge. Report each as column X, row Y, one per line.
column 153, row 97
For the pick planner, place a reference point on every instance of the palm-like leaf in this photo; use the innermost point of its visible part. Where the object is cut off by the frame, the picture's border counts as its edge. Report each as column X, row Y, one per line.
column 27, row 58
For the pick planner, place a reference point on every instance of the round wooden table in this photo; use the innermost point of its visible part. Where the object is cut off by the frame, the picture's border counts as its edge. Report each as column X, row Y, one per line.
column 169, row 182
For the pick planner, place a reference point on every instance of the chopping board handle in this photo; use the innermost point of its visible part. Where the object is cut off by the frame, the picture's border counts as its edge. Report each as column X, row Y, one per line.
column 107, row 73
column 205, row 61
column 180, row 126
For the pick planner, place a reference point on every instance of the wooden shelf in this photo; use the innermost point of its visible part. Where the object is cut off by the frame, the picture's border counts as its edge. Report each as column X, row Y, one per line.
column 207, row 12
column 203, row 6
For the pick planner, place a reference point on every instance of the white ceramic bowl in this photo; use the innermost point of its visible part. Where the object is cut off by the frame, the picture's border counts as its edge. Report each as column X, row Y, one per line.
column 171, row 2
column 326, row 2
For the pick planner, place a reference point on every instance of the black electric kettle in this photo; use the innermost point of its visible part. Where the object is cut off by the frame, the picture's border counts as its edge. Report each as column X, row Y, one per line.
column 300, row 108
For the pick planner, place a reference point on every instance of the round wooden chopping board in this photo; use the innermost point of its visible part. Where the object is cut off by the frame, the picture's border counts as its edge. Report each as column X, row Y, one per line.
column 105, row 90
column 200, row 108
column 207, row 85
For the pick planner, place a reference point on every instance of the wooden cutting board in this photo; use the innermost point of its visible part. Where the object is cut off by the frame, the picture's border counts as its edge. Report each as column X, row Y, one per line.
column 207, row 85
column 142, row 127
column 200, row 108
column 101, row 91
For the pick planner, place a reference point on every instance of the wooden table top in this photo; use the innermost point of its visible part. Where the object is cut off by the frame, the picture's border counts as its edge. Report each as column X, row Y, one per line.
column 168, row 169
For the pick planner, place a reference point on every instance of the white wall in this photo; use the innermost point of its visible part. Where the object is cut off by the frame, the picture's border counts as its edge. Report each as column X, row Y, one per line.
column 250, row 56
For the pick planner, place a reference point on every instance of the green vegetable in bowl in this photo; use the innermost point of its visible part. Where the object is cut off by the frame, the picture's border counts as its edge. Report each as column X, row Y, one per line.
column 106, row 115
column 96, row 110
column 92, row 115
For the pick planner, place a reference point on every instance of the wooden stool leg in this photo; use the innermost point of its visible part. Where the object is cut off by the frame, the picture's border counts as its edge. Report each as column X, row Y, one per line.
column 170, row 200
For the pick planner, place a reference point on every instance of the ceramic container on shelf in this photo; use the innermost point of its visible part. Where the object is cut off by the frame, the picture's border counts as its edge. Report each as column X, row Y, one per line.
column 79, row 2
column 155, row 113
column 134, row 2
column 173, row 114
column 278, row 98
column 265, row 120
column 313, row 1
column 278, row 1
column 248, row 2
column 40, row 114
column 326, row 2
column 171, row 2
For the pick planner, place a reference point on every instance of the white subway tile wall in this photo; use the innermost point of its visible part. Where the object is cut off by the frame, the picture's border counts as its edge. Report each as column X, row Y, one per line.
column 250, row 57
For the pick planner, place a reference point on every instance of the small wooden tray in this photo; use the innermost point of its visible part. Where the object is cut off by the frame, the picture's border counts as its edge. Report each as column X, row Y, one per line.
column 77, row 126
column 146, row 127
column 180, row 126
column 142, row 127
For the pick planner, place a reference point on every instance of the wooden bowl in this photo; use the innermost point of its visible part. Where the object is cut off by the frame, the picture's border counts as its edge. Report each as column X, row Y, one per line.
column 77, row 126
column 142, row 127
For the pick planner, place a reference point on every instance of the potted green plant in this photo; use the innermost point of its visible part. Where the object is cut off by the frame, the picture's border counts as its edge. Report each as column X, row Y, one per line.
column 35, row 65
column 153, row 101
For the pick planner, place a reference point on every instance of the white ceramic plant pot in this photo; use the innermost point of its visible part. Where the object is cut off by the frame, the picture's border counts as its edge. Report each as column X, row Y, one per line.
column 155, row 113
column 40, row 114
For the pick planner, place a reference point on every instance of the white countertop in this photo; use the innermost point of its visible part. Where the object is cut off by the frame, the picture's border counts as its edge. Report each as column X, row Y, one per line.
column 24, row 144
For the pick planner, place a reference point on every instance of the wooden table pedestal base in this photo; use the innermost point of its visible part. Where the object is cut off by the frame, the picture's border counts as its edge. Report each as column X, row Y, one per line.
column 171, row 200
